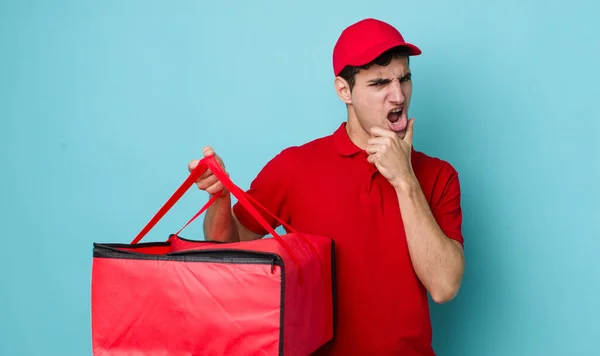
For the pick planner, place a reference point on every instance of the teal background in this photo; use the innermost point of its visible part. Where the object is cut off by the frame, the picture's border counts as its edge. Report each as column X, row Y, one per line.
column 102, row 105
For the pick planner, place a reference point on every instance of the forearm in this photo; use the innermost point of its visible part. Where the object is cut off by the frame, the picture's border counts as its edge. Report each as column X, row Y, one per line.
column 438, row 261
column 218, row 223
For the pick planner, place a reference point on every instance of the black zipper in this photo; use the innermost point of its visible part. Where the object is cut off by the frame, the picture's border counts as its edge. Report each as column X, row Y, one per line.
column 221, row 255
column 230, row 256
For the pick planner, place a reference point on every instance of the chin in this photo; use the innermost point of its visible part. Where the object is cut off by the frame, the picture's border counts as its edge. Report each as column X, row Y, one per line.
column 400, row 133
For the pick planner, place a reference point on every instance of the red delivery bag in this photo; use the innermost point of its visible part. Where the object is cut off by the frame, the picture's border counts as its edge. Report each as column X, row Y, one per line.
column 272, row 296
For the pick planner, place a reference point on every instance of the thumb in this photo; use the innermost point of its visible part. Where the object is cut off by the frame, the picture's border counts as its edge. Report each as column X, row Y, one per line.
column 408, row 138
column 193, row 164
column 208, row 151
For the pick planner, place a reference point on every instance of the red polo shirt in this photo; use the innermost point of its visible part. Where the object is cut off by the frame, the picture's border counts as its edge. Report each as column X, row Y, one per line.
column 327, row 187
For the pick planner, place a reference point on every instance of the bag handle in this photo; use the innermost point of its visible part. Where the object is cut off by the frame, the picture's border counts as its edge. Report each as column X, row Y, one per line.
column 244, row 199
column 253, row 200
column 238, row 192
column 211, row 163
column 307, row 241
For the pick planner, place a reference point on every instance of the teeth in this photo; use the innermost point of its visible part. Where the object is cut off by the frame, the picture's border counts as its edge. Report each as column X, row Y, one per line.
column 396, row 110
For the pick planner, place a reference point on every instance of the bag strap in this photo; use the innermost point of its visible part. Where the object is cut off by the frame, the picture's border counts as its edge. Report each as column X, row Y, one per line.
column 203, row 209
column 212, row 164
column 283, row 223
column 236, row 191
column 253, row 200
column 191, row 179
column 244, row 199
column 229, row 184
column 306, row 240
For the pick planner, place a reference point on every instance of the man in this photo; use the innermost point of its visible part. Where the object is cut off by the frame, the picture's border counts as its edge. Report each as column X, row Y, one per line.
column 393, row 212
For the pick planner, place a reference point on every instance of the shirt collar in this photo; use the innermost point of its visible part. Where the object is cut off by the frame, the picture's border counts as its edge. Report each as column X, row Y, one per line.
column 343, row 144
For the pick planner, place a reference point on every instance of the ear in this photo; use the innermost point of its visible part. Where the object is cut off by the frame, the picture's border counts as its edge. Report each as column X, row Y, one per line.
column 342, row 89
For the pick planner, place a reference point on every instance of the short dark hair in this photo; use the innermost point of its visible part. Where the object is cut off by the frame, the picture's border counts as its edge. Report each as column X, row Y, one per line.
column 349, row 72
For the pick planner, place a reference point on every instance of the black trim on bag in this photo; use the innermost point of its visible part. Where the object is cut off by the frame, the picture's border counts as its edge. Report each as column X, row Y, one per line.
column 281, row 310
column 333, row 296
column 221, row 255
column 135, row 246
column 158, row 244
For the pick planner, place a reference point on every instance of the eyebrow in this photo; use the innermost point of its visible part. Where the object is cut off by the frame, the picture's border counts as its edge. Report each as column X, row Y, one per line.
column 385, row 81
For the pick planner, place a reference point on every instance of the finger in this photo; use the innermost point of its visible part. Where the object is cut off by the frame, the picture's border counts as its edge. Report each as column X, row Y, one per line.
column 371, row 149
column 207, row 182
column 408, row 138
column 381, row 132
column 383, row 141
column 378, row 140
column 220, row 161
column 208, row 151
column 193, row 164
column 215, row 188
column 207, row 173
column 377, row 148
column 373, row 158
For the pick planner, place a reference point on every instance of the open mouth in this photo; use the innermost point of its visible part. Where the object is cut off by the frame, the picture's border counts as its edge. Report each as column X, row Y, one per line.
column 394, row 115
column 397, row 120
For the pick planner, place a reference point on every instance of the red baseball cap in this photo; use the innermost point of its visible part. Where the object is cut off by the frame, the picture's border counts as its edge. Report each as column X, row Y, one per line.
column 365, row 40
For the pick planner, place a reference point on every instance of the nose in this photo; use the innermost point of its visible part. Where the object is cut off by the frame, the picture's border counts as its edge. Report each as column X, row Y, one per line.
column 396, row 96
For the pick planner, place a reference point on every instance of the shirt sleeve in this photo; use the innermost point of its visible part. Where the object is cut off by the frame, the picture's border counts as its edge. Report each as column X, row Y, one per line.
column 447, row 211
column 270, row 189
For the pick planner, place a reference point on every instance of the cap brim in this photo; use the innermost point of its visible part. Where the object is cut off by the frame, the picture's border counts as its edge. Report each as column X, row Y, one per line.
column 373, row 52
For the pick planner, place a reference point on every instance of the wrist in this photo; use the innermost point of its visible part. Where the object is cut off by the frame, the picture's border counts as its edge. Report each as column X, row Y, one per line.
column 223, row 194
column 406, row 185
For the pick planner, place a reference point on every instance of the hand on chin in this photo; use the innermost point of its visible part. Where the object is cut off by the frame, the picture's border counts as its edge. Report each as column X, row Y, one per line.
column 390, row 152
column 386, row 130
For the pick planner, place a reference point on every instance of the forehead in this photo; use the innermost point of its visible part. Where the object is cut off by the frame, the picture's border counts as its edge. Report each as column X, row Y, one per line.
column 396, row 67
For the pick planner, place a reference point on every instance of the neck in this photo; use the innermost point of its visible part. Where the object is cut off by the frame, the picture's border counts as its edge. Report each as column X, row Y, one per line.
column 356, row 132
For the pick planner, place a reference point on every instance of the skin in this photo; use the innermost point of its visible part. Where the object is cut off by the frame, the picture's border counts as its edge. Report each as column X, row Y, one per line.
column 437, row 260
